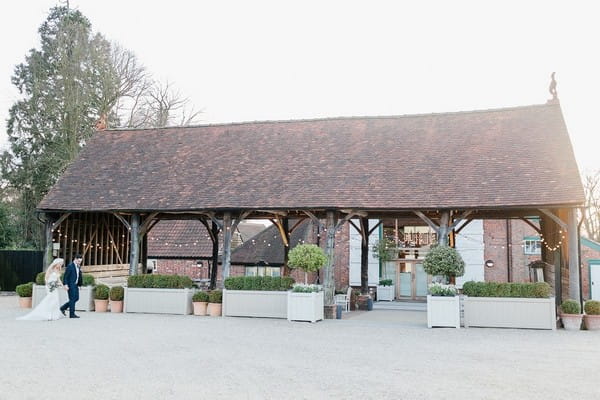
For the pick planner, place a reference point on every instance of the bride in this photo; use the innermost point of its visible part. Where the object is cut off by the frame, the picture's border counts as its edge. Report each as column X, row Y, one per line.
column 49, row 308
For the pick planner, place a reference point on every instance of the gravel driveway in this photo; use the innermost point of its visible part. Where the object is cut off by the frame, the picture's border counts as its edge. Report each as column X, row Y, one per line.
column 369, row 355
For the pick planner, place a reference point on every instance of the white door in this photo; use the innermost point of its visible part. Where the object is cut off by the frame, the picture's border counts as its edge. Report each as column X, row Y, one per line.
column 595, row 281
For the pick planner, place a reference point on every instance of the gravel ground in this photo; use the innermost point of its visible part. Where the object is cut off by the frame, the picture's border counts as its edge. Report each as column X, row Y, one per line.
column 380, row 354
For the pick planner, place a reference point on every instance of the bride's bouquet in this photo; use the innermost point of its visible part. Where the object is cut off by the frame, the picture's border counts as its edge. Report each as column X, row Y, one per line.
column 52, row 285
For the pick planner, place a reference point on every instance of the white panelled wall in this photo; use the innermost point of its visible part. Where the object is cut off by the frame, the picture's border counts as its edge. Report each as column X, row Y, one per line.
column 469, row 243
column 355, row 241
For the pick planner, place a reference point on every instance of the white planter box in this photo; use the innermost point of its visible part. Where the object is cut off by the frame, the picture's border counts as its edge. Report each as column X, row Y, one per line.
column 385, row 293
column 158, row 301
column 85, row 302
column 443, row 311
column 254, row 303
column 507, row 312
column 305, row 306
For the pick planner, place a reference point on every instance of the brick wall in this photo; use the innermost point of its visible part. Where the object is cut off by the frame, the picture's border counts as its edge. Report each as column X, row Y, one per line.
column 182, row 267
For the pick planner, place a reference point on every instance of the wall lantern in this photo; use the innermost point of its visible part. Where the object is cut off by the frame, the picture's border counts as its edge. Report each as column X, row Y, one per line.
column 489, row 263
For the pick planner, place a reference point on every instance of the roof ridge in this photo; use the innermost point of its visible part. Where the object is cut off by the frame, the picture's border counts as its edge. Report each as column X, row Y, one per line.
column 338, row 118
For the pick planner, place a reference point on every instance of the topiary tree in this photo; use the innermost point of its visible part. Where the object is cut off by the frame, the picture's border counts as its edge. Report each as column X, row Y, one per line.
column 307, row 257
column 592, row 307
column 116, row 293
column 101, row 292
column 571, row 306
column 444, row 261
column 200, row 297
column 24, row 290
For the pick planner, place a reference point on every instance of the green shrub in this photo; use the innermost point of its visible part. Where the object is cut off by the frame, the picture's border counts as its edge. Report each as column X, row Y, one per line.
column 302, row 288
column 307, row 257
column 117, row 293
column 88, row 280
column 25, row 290
column 592, row 307
column 159, row 281
column 445, row 261
column 200, row 297
column 40, row 279
column 495, row 289
column 570, row 306
column 258, row 283
column 101, row 292
column 215, row 296
column 385, row 282
column 438, row 289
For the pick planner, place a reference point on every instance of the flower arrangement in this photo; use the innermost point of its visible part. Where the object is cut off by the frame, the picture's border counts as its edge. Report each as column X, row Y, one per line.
column 304, row 288
column 52, row 285
column 439, row 289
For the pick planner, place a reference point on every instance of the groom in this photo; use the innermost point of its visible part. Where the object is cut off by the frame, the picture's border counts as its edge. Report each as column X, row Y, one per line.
column 71, row 281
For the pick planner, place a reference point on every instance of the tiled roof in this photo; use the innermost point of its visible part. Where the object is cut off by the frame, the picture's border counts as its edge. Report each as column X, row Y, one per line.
column 267, row 246
column 186, row 238
column 500, row 158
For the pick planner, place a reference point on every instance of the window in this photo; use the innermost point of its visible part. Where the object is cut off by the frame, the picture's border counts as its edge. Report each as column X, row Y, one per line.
column 532, row 246
column 263, row 271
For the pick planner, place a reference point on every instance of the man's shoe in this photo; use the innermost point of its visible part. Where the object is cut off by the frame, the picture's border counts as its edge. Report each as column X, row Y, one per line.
column 74, row 316
column 63, row 312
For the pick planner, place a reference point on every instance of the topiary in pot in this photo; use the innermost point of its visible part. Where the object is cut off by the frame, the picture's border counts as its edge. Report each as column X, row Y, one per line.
column 116, row 295
column 571, row 315
column 215, row 299
column 101, row 298
column 40, row 279
column 444, row 261
column 591, row 319
column 88, row 280
column 24, row 291
column 200, row 302
column 307, row 257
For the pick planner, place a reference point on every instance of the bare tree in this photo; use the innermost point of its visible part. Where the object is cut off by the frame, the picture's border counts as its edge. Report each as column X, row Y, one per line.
column 591, row 186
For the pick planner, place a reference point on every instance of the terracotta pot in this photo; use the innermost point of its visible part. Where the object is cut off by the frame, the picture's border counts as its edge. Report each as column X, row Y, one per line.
column 200, row 307
column 25, row 302
column 592, row 322
column 571, row 322
column 101, row 305
column 116, row 306
column 214, row 309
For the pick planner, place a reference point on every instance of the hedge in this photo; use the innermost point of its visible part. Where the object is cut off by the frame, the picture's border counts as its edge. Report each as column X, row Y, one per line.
column 87, row 279
column 159, row 281
column 495, row 289
column 101, row 292
column 278, row 284
column 215, row 296
column 200, row 297
column 117, row 293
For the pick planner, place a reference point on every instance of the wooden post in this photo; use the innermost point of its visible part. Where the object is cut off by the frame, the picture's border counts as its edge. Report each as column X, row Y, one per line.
column 286, row 246
column 573, row 240
column 226, row 243
column 48, row 242
column 443, row 229
column 215, row 255
column 364, row 255
column 135, row 244
column 328, row 283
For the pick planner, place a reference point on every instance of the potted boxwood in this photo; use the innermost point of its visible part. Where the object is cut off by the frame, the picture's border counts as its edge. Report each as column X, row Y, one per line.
column 116, row 295
column 215, row 298
column 24, row 291
column 101, row 298
column 303, row 305
column 591, row 319
column 200, row 302
column 385, row 290
column 571, row 314
column 444, row 262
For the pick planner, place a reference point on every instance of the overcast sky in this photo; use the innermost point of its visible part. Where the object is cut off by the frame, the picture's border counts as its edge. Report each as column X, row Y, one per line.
column 255, row 60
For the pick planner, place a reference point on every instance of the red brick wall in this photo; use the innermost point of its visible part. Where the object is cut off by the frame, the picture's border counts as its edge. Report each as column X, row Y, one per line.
column 182, row 267
column 586, row 255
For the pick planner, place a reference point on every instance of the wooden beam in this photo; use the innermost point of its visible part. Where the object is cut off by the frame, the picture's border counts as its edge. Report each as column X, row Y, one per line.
column 531, row 224
column 296, row 225
column 467, row 222
column 123, row 220
column 554, row 218
column 147, row 221
column 375, row 227
column 227, row 231
column 429, row 222
column 462, row 216
column 60, row 220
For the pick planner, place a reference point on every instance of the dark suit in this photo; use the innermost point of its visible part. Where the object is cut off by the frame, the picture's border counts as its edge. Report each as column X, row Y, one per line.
column 73, row 281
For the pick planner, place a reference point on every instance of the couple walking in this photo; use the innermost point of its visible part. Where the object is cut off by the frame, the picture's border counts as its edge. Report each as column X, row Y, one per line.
column 48, row 309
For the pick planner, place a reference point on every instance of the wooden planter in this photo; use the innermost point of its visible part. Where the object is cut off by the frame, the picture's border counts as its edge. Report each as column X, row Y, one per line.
column 305, row 306
column 507, row 312
column 385, row 293
column 85, row 302
column 443, row 311
column 159, row 301
column 200, row 307
column 254, row 303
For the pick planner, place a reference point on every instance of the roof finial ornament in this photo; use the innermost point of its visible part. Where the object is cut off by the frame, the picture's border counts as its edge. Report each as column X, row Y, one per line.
column 552, row 88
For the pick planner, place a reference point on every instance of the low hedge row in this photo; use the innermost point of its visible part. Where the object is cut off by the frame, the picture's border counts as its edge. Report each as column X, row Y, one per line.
column 495, row 289
column 88, row 280
column 159, row 281
column 279, row 284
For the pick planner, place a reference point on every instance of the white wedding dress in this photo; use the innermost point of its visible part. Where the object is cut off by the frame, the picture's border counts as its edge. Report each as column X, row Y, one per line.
column 49, row 308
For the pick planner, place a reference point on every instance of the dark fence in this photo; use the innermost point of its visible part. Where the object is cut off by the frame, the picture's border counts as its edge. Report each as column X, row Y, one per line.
column 19, row 266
